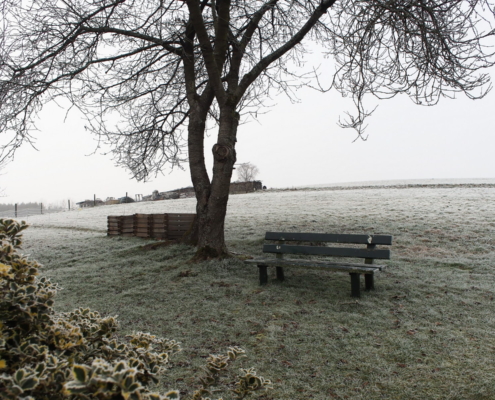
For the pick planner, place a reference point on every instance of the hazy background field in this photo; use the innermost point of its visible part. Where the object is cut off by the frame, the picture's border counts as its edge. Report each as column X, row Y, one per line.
column 428, row 331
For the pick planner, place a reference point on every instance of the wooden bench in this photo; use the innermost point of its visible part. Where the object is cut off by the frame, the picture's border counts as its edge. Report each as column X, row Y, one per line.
column 317, row 247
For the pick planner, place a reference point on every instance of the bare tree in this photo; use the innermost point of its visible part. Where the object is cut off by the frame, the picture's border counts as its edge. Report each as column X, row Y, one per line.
column 247, row 172
column 149, row 75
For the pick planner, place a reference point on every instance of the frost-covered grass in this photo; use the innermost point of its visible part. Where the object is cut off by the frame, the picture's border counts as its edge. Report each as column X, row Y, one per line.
column 426, row 332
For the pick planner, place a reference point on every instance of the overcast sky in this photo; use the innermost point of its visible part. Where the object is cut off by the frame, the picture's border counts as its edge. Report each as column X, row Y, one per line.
column 292, row 145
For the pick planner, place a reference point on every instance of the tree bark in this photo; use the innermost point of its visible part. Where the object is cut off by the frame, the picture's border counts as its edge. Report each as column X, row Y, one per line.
column 212, row 198
column 199, row 175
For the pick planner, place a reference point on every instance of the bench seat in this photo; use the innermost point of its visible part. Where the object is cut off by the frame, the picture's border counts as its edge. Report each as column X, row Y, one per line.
column 320, row 264
column 291, row 243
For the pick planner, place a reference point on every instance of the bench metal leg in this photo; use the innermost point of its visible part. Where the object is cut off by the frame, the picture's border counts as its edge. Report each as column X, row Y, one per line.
column 280, row 274
column 263, row 274
column 369, row 281
column 355, row 284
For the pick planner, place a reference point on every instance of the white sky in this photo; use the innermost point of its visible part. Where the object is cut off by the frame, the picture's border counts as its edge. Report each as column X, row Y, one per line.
column 293, row 145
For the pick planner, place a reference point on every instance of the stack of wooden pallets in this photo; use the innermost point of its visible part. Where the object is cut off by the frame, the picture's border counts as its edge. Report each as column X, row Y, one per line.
column 159, row 226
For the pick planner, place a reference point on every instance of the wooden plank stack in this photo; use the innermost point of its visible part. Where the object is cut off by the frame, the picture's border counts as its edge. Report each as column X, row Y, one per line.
column 159, row 226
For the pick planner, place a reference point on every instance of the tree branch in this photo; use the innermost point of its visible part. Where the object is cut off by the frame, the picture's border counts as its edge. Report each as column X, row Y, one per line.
column 164, row 43
column 213, row 69
column 261, row 66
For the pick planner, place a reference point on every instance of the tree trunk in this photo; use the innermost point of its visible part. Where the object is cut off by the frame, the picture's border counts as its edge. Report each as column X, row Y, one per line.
column 199, row 175
column 212, row 197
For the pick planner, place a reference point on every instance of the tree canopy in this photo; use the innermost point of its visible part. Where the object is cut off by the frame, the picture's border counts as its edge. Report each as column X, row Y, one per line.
column 169, row 69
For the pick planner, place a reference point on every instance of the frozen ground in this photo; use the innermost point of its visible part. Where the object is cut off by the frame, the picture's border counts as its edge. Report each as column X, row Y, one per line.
column 371, row 206
column 426, row 332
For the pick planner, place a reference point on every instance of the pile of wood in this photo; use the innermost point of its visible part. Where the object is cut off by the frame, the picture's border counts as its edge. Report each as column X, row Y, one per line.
column 159, row 226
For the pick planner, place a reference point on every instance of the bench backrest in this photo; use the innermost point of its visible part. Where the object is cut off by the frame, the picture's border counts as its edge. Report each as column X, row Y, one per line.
column 370, row 252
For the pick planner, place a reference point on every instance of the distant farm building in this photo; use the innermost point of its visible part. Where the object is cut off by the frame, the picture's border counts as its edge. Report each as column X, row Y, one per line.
column 235, row 188
column 90, row 203
column 126, row 199
column 111, row 200
column 245, row 187
column 172, row 194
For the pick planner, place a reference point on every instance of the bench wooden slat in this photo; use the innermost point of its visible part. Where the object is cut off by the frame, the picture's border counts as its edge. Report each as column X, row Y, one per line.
column 349, row 267
column 330, row 237
column 316, row 248
column 326, row 251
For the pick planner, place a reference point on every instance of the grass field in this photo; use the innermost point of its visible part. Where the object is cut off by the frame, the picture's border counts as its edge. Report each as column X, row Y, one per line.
column 426, row 332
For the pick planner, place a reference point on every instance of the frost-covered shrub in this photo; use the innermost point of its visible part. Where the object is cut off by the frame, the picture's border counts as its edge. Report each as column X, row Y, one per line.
column 77, row 355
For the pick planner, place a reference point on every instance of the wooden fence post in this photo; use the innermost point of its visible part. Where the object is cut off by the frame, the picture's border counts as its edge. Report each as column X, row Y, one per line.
column 15, row 210
column 165, row 224
column 150, row 224
column 41, row 208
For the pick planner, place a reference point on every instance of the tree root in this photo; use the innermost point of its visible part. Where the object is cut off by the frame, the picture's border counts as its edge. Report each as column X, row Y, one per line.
column 209, row 253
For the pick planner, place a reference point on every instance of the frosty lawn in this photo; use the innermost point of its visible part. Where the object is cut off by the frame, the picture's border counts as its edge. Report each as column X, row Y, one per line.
column 427, row 331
